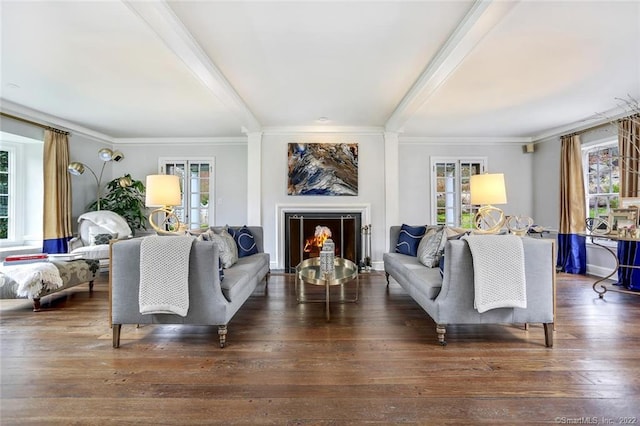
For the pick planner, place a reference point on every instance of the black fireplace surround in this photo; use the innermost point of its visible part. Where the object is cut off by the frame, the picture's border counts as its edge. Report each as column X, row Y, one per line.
column 300, row 229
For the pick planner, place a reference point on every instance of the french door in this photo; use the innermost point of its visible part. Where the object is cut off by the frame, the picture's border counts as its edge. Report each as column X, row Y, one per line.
column 196, row 181
column 451, row 179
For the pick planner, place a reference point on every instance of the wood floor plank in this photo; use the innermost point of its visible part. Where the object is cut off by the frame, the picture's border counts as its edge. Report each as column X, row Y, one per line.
column 376, row 362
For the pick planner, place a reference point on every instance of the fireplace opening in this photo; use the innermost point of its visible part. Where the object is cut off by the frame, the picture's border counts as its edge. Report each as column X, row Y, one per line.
column 306, row 232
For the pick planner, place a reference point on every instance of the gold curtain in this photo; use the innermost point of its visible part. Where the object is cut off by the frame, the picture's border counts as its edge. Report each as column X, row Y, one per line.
column 572, row 198
column 57, row 192
column 629, row 146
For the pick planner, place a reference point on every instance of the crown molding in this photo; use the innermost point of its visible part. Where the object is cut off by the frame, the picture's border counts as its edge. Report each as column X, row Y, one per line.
column 51, row 121
column 182, row 141
column 465, row 140
column 294, row 130
column 595, row 120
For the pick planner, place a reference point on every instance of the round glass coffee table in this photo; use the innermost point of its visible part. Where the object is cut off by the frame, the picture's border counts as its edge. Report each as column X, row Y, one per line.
column 308, row 271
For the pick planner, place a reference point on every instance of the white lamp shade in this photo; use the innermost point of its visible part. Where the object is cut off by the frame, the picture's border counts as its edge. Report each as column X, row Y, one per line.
column 488, row 189
column 162, row 190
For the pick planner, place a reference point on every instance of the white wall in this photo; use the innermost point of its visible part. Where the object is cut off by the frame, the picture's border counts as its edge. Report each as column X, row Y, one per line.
column 230, row 162
column 415, row 175
column 84, row 189
column 370, row 184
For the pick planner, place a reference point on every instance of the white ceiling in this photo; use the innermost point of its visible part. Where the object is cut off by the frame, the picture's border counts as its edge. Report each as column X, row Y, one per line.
column 441, row 69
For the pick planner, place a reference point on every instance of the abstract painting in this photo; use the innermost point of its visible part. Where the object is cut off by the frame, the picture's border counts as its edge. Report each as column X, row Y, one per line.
column 323, row 169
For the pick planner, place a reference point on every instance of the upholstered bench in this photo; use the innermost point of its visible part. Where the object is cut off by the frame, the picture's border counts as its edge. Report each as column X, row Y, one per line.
column 72, row 273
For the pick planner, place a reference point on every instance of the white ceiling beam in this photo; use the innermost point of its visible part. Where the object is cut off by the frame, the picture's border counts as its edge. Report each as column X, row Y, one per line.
column 483, row 16
column 164, row 22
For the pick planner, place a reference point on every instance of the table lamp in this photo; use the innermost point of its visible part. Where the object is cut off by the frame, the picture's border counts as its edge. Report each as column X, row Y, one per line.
column 488, row 189
column 163, row 191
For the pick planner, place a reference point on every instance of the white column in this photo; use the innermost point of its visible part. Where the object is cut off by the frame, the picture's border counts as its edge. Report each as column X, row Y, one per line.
column 391, row 184
column 254, row 178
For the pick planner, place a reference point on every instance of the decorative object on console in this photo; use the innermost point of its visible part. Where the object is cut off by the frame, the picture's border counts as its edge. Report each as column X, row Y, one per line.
column 519, row 225
column 323, row 169
column 164, row 191
column 623, row 219
column 105, row 154
column 597, row 226
column 487, row 189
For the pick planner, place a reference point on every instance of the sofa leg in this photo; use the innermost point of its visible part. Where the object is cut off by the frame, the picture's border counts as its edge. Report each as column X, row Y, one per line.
column 441, row 330
column 548, row 334
column 266, row 278
column 387, row 274
column 116, row 335
column 36, row 304
column 90, row 286
column 526, row 326
column 222, row 332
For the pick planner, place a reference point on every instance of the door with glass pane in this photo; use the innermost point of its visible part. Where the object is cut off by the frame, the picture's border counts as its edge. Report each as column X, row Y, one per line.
column 196, row 182
column 451, row 188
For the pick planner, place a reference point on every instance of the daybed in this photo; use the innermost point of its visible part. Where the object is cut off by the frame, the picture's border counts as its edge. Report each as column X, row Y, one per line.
column 448, row 297
column 210, row 300
column 71, row 274
column 95, row 229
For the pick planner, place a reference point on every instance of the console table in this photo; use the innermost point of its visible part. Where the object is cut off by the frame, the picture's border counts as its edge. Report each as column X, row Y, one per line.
column 599, row 286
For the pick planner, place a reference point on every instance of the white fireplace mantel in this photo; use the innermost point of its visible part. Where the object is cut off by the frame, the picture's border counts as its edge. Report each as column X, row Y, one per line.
column 281, row 209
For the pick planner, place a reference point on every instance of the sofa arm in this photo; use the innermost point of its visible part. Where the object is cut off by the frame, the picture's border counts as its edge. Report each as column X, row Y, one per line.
column 75, row 243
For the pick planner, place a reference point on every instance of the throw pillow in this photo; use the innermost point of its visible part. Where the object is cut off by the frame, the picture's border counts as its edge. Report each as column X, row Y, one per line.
column 101, row 239
column 441, row 265
column 95, row 230
column 244, row 240
column 226, row 246
column 429, row 249
column 220, row 270
column 409, row 239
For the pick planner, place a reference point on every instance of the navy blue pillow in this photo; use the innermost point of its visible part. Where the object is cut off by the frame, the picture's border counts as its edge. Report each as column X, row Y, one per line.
column 441, row 265
column 409, row 239
column 245, row 241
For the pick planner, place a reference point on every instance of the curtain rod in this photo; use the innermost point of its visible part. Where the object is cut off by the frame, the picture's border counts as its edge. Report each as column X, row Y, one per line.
column 24, row 120
column 615, row 122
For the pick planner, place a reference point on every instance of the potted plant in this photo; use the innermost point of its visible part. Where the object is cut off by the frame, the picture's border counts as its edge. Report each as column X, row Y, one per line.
column 125, row 196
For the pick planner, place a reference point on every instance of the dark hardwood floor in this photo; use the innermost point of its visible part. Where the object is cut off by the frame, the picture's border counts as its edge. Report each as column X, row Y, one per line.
column 376, row 362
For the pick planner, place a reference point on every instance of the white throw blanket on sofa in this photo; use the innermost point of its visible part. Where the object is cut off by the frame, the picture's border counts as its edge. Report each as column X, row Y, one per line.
column 32, row 278
column 498, row 271
column 164, row 275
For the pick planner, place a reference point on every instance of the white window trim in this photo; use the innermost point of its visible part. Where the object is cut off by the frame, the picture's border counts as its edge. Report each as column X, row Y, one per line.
column 17, row 205
column 585, row 148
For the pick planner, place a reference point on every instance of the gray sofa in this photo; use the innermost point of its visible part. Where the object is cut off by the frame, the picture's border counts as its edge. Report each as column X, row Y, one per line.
column 448, row 298
column 211, row 302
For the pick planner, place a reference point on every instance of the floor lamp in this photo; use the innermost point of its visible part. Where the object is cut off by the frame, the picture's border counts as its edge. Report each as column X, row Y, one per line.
column 77, row 168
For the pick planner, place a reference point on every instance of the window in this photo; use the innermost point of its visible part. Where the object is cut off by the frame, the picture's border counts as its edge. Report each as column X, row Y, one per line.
column 6, row 191
column 196, row 181
column 450, row 185
column 602, row 177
